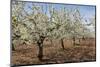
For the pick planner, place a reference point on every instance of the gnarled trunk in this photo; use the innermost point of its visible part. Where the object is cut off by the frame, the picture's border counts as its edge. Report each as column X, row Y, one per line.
column 13, row 48
column 79, row 40
column 40, row 45
column 40, row 53
column 83, row 38
column 51, row 42
column 73, row 40
column 62, row 44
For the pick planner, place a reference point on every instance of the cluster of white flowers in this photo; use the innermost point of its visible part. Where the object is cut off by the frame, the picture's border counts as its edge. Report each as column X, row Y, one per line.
column 59, row 24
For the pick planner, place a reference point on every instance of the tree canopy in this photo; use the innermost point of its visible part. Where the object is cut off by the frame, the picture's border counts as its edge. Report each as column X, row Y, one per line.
column 57, row 24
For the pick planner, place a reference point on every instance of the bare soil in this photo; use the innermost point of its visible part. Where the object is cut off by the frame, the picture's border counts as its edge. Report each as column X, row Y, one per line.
column 53, row 53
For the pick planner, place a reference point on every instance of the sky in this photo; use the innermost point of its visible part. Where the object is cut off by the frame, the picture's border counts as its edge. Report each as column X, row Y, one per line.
column 86, row 11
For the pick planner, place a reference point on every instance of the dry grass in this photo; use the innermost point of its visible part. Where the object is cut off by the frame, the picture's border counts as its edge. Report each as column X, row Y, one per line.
column 53, row 53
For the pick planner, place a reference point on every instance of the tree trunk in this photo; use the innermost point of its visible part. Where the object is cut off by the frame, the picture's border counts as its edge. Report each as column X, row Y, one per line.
column 62, row 44
column 13, row 48
column 83, row 38
column 51, row 42
column 73, row 40
column 40, row 53
column 79, row 41
column 40, row 45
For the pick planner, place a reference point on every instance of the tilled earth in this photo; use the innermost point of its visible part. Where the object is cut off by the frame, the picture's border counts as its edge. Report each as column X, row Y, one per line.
column 27, row 54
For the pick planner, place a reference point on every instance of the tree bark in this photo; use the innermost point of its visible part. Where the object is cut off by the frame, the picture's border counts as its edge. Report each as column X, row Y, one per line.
column 13, row 48
column 40, row 45
column 83, row 38
column 40, row 53
column 73, row 40
column 62, row 44
column 79, row 41
column 51, row 42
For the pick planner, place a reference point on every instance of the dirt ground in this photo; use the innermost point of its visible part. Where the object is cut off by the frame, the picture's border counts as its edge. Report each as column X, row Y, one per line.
column 53, row 53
